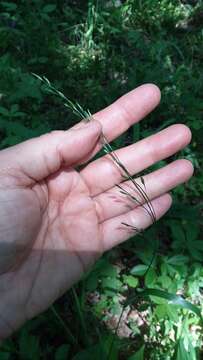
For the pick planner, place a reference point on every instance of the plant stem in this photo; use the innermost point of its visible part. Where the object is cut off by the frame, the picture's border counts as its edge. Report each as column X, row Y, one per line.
column 70, row 336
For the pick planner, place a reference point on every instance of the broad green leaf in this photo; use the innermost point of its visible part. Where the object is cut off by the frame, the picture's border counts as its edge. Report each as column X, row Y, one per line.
column 165, row 281
column 177, row 260
column 116, row 308
column 91, row 282
column 111, row 283
column 160, row 311
column 130, row 281
column 177, row 232
column 108, row 271
column 139, row 270
column 191, row 232
column 104, row 268
column 164, row 268
column 147, row 255
column 172, row 313
column 150, row 277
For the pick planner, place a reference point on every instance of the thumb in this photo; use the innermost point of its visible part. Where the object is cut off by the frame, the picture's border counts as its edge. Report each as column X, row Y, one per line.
column 43, row 156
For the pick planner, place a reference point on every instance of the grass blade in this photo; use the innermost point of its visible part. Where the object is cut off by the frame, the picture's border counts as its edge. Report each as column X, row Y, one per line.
column 171, row 298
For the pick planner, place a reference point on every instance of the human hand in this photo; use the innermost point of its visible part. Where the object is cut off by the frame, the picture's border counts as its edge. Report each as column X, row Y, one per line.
column 55, row 221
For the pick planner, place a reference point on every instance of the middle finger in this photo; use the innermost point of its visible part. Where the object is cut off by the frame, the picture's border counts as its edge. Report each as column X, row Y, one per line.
column 102, row 174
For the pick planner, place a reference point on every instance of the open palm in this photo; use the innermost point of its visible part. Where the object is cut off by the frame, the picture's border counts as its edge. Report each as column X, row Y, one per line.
column 56, row 220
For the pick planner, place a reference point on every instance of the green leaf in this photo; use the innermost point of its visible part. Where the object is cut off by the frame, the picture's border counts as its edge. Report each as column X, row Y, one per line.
column 100, row 351
column 49, row 8
column 9, row 6
column 116, row 308
column 27, row 87
column 147, row 254
column 101, row 305
column 62, row 352
column 110, row 347
column 171, row 298
column 130, row 281
column 181, row 211
column 191, row 232
column 92, row 353
column 29, row 346
column 91, row 282
column 108, row 270
column 104, row 269
column 160, row 311
column 4, row 111
column 177, row 260
column 139, row 355
column 150, row 277
column 165, row 281
column 198, row 244
column 163, row 311
column 172, row 313
column 14, row 108
column 184, row 354
column 139, row 270
column 177, row 232
column 111, row 283
column 197, row 254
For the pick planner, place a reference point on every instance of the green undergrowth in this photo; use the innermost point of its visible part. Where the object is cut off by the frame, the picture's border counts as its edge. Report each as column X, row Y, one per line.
column 94, row 52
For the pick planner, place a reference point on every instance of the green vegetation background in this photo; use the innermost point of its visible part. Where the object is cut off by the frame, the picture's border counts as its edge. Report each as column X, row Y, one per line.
column 95, row 51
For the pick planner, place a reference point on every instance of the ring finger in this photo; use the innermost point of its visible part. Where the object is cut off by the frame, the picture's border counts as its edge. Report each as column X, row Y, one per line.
column 113, row 203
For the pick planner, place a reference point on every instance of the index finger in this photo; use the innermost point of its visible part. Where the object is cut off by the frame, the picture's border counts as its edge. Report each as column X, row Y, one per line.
column 128, row 110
